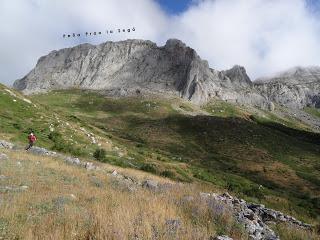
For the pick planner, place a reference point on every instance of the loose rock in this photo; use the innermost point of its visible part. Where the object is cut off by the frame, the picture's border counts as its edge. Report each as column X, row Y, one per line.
column 13, row 189
column 3, row 156
column 150, row 184
column 223, row 237
column 42, row 151
column 5, row 144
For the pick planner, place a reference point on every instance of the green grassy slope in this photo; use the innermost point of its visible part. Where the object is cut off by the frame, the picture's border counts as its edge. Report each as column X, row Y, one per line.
column 228, row 147
column 268, row 160
column 313, row 111
column 19, row 115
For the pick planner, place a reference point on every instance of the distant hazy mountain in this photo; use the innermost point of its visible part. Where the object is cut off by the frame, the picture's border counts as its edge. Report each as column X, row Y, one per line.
column 297, row 87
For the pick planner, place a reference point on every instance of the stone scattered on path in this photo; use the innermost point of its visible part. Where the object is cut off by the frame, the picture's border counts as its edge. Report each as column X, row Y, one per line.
column 13, row 189
column 150, row 184
column 41, row 151
column 3, row 177
column 5, row 144
column 3, row 156
column 223, row 237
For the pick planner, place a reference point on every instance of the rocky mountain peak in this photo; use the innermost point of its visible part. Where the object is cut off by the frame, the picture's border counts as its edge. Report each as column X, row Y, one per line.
column 174, row 43
column 297, row 87
column 238, row 75
column 296, row 74
column 137, row 66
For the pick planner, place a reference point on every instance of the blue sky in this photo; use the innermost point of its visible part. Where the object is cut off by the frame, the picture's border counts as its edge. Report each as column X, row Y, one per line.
column 174, row 6
column 178, row 6
column 314, row 6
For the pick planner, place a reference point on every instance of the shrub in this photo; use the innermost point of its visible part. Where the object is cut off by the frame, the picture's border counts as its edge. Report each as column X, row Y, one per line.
column 100, row 155
column 58, row 141
column 59, row 144
column 168, row 174
column 139, row 145
column 148, row 168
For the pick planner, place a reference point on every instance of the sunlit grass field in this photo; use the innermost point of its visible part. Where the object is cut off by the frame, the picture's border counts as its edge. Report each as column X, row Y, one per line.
column 260, row 157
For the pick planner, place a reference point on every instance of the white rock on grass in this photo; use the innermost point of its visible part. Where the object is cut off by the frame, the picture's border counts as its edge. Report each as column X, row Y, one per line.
column 223, row 237
column 5, row 144
column 254, row 217
column 3, row 156
column 3, row 177
column 150, row 184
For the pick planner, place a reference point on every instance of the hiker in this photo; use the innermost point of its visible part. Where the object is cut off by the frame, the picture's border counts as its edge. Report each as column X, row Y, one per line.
column 32, row 138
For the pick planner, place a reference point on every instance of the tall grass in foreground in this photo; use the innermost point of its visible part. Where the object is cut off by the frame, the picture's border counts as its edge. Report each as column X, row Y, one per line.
column 66, row 202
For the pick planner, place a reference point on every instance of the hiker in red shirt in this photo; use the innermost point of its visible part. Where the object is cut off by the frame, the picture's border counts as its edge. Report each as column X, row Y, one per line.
column 32, row 138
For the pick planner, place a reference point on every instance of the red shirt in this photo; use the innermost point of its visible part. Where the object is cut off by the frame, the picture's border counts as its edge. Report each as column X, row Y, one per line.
column 32, row 138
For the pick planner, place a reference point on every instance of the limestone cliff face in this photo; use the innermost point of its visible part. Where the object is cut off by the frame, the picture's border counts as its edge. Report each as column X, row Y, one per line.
column 296, row 88
column 139, row 67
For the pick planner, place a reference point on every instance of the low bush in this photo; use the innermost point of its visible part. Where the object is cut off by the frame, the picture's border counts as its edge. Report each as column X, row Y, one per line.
column 148, row 168
column 168, row 174
column 100, row 155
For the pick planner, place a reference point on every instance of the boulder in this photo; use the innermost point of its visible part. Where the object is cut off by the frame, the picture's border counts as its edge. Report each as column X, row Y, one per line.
column 89, row 166
column 151, row 185
column 223, row 237
column 72, row 160
column 5, row 144
column 271, row 106
column 3, row 156
column 42, row 151
column 254, row 217
column 173, row 226
column 13, row 189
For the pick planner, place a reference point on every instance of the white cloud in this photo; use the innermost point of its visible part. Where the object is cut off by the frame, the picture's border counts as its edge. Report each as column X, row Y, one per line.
column 262, row 35
column 32, row 28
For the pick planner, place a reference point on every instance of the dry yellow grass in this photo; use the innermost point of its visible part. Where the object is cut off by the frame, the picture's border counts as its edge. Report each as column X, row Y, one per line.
column 68, row 202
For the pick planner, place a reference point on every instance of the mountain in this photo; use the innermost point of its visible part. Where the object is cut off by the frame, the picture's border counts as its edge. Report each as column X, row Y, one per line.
column 134, row 67
column 265, row 157
column 138, row 67
column 295, row 88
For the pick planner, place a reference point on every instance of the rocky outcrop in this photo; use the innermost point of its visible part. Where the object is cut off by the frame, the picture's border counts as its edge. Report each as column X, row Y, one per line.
column 5, row 144
column 296, row 88
column 223, row 237
column 135, row 67
column 3, row 156
column 254, row 217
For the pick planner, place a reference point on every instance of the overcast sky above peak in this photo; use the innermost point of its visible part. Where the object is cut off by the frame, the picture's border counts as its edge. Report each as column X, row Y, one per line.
column 264, row 36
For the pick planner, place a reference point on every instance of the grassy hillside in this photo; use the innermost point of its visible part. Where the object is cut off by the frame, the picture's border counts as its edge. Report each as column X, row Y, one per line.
column 228, row 147
column 259, row 157
column 313, row 111
column 19, row 115
column 61, row 201
column 68, row 202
